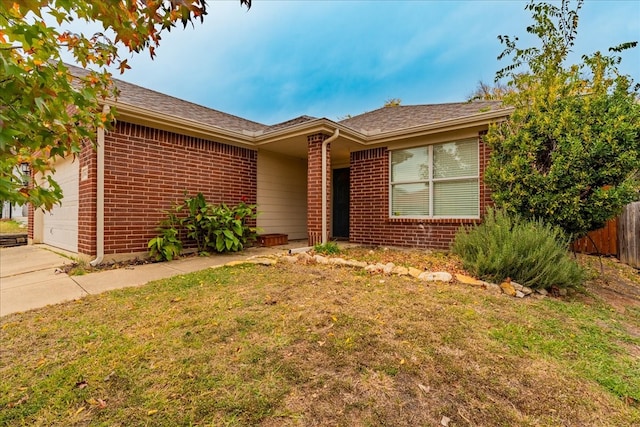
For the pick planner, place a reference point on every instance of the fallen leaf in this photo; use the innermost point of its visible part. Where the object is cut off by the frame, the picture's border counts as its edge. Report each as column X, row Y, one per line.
column 424, row 388
column 20, row 401
column 445, row 421
column 82, row 384
column 80, row 409
column 152, row 411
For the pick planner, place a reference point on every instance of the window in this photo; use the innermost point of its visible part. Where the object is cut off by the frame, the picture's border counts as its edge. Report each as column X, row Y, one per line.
column 436, row 181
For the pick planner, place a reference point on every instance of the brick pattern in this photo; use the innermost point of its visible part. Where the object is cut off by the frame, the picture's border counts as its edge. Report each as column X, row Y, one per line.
column 314, row 187
column 369, row 211
column 87, row 201
column 148, row 170
column 30, row 212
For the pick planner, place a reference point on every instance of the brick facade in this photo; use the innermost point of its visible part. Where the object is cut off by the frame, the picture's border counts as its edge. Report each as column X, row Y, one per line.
column 87, row 200
column 314, row 187
column 370, row 223
column 146, row 171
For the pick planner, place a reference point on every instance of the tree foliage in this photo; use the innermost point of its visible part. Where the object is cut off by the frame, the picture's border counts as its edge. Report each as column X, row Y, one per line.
column 570, row 152
column 45, row 112
column 487, row 92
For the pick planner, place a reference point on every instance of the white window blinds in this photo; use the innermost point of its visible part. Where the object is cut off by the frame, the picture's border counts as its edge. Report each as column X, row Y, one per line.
column 436, row 181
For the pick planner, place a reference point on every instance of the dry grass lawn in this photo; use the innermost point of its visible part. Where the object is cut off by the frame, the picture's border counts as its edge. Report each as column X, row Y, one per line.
column 9, row 226
column 310, row 345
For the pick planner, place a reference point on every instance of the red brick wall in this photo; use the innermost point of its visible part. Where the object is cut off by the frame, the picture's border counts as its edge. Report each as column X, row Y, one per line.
column 369, row 222
column 314, row 185
column 87, row 201
column 147, row 170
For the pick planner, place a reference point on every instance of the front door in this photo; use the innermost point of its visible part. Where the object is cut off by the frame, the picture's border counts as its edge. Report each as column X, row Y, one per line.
column 341, row 203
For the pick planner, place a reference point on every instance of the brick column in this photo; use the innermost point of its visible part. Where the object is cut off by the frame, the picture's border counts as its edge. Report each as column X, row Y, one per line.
column 314, row 187
column 87, row 200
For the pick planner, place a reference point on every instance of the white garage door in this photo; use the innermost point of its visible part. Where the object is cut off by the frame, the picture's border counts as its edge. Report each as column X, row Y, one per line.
column 61, row 223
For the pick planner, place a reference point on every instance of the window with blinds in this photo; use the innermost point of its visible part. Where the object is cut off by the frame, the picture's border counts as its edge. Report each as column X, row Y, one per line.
column 436, row 181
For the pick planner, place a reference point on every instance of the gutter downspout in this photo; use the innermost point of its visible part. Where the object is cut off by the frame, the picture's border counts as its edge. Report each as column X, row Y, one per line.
column 100, row 196
column 324, row 183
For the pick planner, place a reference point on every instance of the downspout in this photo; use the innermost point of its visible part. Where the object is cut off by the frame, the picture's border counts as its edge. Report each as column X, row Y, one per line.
column 100, row 196
column 324, row 183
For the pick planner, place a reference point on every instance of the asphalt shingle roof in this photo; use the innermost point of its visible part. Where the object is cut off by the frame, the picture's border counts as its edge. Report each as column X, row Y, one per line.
column 388, row 119
column 138, row 96
column 288, row 123
column 382, row 120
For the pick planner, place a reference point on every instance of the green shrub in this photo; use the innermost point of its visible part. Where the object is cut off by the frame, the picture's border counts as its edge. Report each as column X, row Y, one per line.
column 167, row 245
column 327, row 248
column 528, row 251
column 216, row 228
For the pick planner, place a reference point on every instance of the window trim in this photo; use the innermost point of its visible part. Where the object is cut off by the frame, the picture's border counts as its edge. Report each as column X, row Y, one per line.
column 431, row 180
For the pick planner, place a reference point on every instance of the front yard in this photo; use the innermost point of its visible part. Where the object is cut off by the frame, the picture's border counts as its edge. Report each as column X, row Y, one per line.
column 308, row 345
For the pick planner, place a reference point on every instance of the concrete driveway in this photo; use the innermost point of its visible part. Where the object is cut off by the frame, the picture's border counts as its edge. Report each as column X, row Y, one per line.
column 28, row 279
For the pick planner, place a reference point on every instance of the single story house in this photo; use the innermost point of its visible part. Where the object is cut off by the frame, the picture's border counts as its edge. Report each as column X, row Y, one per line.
column 397, row 176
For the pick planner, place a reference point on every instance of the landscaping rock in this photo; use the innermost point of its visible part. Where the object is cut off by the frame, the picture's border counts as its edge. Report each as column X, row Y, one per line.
column 414, row 272
column 353, row 263
column 304, row 258
column 563, row 292
column 493, row 288
column 467, row 280
column 526, row 290
column 542, row 292
column 388, row 268
column 517, row 286
column 337, row 261
column 438, row 276
column 400, row 270
column 374, row 268
column 321, row 259
column 508, row 288
column 519, row 294
column 290, row 259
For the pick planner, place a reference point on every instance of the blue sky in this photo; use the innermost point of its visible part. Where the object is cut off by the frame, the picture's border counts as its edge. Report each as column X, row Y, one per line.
column 328, row 59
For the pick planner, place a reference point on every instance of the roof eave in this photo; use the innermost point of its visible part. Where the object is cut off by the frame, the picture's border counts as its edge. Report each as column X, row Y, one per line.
column 154, row 119
column 181, row 125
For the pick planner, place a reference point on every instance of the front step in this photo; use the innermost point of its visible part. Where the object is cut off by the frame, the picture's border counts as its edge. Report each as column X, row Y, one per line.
column 9, row 240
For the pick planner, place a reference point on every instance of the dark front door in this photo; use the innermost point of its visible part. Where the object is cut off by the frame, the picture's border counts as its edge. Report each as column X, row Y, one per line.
column 341, row 203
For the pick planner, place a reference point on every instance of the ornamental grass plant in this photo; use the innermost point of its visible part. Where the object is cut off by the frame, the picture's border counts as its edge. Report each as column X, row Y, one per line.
column 529, row 252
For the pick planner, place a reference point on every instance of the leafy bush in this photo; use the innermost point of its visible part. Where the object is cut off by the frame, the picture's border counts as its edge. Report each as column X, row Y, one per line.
column 217, row 228
column 528, row 251
column 167, row 245
column 327, row 248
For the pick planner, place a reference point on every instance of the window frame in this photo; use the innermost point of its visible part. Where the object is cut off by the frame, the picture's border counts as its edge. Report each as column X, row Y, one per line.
column 431, row 181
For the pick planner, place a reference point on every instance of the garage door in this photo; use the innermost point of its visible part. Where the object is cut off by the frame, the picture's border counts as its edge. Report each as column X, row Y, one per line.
column 61, row 223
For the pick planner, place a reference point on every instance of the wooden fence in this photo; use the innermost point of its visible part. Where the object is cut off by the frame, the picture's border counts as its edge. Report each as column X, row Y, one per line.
column 605, row 239
column 620, row 237
column 629, row 235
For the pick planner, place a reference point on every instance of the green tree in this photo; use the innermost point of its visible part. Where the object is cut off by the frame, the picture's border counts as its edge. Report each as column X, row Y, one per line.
column 487, row 92
column 569, row 154
column 45, row 112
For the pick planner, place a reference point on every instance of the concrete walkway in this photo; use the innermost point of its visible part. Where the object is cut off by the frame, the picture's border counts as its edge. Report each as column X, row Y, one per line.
column 30, row 276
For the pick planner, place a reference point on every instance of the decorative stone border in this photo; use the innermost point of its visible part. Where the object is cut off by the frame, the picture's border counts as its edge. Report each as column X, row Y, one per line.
column 508, row 287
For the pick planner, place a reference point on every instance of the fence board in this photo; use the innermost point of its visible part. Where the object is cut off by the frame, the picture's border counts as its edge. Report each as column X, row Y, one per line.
column 606, row 240
column 629, row 235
